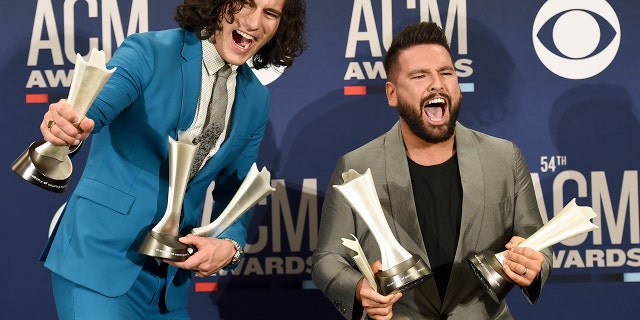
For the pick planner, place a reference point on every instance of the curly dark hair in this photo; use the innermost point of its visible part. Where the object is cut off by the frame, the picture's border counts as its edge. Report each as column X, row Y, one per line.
column 202, row 17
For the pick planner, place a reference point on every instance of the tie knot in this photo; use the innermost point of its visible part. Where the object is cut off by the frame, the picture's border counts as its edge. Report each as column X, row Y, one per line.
column 224, row 71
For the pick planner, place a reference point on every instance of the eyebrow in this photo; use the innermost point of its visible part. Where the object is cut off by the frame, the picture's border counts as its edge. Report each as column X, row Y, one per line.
column 427, row 70
column 274, row 11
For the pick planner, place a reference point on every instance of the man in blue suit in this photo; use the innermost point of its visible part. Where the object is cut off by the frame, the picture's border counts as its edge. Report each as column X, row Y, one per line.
column 162, row 87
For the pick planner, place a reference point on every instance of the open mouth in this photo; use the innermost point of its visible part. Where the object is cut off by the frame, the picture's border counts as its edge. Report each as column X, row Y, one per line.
column 435, row 109
column 242, row 40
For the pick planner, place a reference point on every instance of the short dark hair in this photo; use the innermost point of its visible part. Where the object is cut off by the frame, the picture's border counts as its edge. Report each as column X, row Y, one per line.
column 412, row 35
column 203, row 17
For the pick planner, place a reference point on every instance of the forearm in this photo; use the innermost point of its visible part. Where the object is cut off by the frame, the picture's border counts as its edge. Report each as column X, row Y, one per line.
column 528, row 220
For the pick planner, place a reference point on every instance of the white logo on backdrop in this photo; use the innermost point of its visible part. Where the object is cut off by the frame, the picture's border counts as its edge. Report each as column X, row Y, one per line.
column 268, row 74
column 576, row 35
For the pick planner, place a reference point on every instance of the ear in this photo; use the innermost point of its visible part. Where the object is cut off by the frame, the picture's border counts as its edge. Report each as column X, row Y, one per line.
column 390, row 90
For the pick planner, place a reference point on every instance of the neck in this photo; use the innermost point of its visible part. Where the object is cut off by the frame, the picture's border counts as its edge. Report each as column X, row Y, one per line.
column 428, row 154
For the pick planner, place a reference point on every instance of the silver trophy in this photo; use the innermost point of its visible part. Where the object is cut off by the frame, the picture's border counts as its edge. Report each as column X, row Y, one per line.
column 46, row 165
column 571, row 221
column 255, row 187
column 162, row 240
column 401, row 270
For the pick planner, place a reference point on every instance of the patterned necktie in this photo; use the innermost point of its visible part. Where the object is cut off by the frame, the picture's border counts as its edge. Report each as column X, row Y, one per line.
column 215, row 122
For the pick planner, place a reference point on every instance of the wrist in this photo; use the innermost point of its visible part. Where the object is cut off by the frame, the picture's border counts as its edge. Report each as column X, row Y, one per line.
column 358, row 288
column 237, row 256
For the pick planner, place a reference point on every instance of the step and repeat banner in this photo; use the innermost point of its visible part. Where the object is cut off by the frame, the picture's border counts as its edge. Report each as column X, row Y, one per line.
column 560, row 78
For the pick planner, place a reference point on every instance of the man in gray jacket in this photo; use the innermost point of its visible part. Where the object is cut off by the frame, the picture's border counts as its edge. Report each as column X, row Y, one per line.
column 446, row 191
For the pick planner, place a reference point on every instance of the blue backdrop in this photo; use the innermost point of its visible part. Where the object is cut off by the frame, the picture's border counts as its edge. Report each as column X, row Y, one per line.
column 557, row 77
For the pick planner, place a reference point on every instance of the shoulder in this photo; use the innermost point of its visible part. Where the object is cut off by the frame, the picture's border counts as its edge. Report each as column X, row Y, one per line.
column 373, row 152
column 248, row 77
column 168, row 36
column 490, row 150
column 249, row 82
column 163, row 42
column 481, row 140
column 367, row 148
column 157, row 49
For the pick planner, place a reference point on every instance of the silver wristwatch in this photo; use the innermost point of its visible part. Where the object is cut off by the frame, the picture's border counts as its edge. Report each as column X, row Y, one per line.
column 237, row 256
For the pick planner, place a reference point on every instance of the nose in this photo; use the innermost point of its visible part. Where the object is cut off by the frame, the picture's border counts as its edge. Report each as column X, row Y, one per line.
column 436, row 84
column 251, row 20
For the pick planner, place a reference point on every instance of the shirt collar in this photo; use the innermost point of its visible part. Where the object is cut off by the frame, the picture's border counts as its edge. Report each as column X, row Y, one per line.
column 212, row 59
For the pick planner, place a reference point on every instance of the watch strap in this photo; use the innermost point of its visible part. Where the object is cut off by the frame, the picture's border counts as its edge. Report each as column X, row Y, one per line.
column 235, row 260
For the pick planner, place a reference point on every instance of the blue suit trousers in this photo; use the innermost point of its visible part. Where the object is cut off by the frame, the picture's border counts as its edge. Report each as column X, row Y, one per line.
column 144, row 301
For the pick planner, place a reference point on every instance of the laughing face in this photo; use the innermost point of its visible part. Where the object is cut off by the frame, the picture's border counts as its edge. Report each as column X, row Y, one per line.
column 426, row 92
column 251, row 29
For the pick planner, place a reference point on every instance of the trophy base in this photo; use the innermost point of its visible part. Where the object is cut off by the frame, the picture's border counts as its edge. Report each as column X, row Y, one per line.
column 38, row 169
column 489, row 271
column 164, row 246
column 403, row 276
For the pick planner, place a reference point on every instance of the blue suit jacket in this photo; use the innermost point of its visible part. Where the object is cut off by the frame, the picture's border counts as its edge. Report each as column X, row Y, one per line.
column 123, row 190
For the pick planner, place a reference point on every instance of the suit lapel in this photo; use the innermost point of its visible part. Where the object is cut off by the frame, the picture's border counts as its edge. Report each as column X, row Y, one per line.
column 405, row 220
column 191, row 73
column 403, row 209
column 471, row 176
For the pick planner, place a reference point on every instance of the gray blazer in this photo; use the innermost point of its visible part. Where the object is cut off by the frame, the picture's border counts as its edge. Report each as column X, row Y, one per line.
column 498, row 203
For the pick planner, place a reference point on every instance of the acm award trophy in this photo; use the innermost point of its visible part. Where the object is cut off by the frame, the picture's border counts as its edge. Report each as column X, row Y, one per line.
column 162, row 240
column 46, row 165
column 401, row 270
column 571, row 221
column 255, row 187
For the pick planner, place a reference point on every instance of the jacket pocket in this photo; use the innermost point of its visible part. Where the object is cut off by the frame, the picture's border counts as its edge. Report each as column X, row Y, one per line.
column 105, row 195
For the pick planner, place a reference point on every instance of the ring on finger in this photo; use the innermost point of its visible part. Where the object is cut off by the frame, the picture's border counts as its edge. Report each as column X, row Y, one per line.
column 77, row 124
column 525, row 271
column 50, row 124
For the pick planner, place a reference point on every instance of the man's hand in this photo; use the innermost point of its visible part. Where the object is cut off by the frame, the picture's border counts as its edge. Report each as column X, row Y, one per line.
column 212, row 255
column 522, row 265
column 377, row 306
column 62, row 127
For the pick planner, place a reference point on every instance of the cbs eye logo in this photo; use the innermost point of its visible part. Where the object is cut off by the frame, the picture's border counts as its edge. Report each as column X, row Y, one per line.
column 576, row 34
